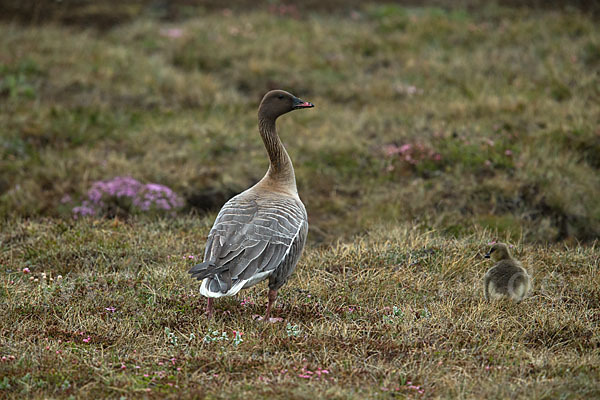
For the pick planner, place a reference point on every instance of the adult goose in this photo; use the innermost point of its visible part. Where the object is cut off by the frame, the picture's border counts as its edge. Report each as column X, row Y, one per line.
column 507, row 279
column 260, row 233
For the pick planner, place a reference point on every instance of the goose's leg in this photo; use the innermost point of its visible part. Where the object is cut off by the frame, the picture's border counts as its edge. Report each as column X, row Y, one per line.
column 209, row 307
column 272, row 298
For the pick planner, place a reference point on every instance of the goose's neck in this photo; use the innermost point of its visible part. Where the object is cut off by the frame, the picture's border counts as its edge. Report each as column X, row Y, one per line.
column 281, row 170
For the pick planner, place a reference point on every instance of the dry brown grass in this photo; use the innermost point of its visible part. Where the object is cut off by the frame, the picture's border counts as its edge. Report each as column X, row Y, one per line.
column 396, row 306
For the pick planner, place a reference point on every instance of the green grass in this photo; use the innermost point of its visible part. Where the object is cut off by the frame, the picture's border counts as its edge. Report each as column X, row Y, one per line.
column 80, row 106
column 499, row 107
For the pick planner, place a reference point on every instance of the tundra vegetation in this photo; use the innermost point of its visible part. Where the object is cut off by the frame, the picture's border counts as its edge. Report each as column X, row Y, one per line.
column 436, row 131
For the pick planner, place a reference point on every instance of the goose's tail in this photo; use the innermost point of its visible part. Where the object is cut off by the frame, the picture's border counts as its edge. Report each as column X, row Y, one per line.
column 214, row 285
column 203, row 270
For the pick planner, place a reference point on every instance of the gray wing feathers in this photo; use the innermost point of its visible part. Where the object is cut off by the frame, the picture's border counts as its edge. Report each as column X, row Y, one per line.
column 288, row 264
column 251, row 235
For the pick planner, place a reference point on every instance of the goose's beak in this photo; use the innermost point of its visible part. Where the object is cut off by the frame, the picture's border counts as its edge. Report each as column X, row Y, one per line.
column 488, row 255
column 298, row 103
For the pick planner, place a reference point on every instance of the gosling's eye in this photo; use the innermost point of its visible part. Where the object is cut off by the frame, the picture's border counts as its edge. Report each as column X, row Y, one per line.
column 280, row 97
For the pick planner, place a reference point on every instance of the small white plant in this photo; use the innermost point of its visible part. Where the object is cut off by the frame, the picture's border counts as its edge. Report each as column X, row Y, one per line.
column 171, row 336
column 395, row 316
column 292, row 330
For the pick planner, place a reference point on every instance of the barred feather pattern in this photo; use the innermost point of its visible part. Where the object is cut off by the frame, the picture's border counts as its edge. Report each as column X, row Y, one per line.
column 255, row 237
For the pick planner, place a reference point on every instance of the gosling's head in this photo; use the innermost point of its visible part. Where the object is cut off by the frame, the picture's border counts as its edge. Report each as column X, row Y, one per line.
column 279, row 102
column 499, row 251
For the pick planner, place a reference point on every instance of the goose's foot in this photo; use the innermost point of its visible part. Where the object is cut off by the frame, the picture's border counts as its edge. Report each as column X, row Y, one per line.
column 209, row 308
column 267, row 317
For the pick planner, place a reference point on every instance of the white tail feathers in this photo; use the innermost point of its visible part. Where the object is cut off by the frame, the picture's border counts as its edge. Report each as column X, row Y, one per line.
column 206, row 292
column 239, row 285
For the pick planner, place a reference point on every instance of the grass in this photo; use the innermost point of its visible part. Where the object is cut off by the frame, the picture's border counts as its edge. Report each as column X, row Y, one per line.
column 435, row 131
column 393, row 313
column 504, row 98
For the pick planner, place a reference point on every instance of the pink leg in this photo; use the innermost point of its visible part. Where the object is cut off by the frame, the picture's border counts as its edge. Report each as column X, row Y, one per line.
column 209, row 307
column 272, row 298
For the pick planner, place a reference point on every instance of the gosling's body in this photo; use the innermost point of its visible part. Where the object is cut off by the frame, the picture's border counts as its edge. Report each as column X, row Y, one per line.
column 260, row 233
column 507, row 279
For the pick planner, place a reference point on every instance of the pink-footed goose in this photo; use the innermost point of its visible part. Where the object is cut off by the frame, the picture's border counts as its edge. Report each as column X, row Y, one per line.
column 259, row 233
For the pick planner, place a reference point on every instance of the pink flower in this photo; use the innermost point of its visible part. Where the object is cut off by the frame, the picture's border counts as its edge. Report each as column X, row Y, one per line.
column 26, row 270
column 172, row 33
column 405, row 147
column 508, row 152
column 123, row 366
column 391, row 149
column 65, row 199
column 87, row 340
column 111, row 309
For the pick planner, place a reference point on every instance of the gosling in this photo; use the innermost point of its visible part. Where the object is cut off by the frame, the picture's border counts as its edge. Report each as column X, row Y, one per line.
column 507, row 279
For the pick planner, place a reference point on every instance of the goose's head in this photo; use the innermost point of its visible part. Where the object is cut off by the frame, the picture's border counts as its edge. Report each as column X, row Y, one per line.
column 499, row 251
column 279, row 102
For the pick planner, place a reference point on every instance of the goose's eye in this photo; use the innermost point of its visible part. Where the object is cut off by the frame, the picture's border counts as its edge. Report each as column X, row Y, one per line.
column 280, row 97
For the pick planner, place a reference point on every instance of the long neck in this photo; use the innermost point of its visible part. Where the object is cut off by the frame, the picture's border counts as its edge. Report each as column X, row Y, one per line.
column 281, row 170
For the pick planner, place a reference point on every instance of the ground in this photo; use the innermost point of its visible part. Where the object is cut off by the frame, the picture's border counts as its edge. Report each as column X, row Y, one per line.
column 435, row 132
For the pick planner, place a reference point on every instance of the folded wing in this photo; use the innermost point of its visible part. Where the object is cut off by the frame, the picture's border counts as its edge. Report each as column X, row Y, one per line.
column 249, row 240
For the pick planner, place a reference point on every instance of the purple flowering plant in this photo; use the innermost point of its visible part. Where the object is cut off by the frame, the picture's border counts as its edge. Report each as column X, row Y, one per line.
column 123, row 195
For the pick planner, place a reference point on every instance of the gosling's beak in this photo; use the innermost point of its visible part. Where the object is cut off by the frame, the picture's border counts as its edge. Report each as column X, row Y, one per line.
column 298, row 103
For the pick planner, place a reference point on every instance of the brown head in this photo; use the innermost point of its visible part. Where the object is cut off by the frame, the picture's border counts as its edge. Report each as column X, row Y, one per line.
column 499, row 251
column 279, row 102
